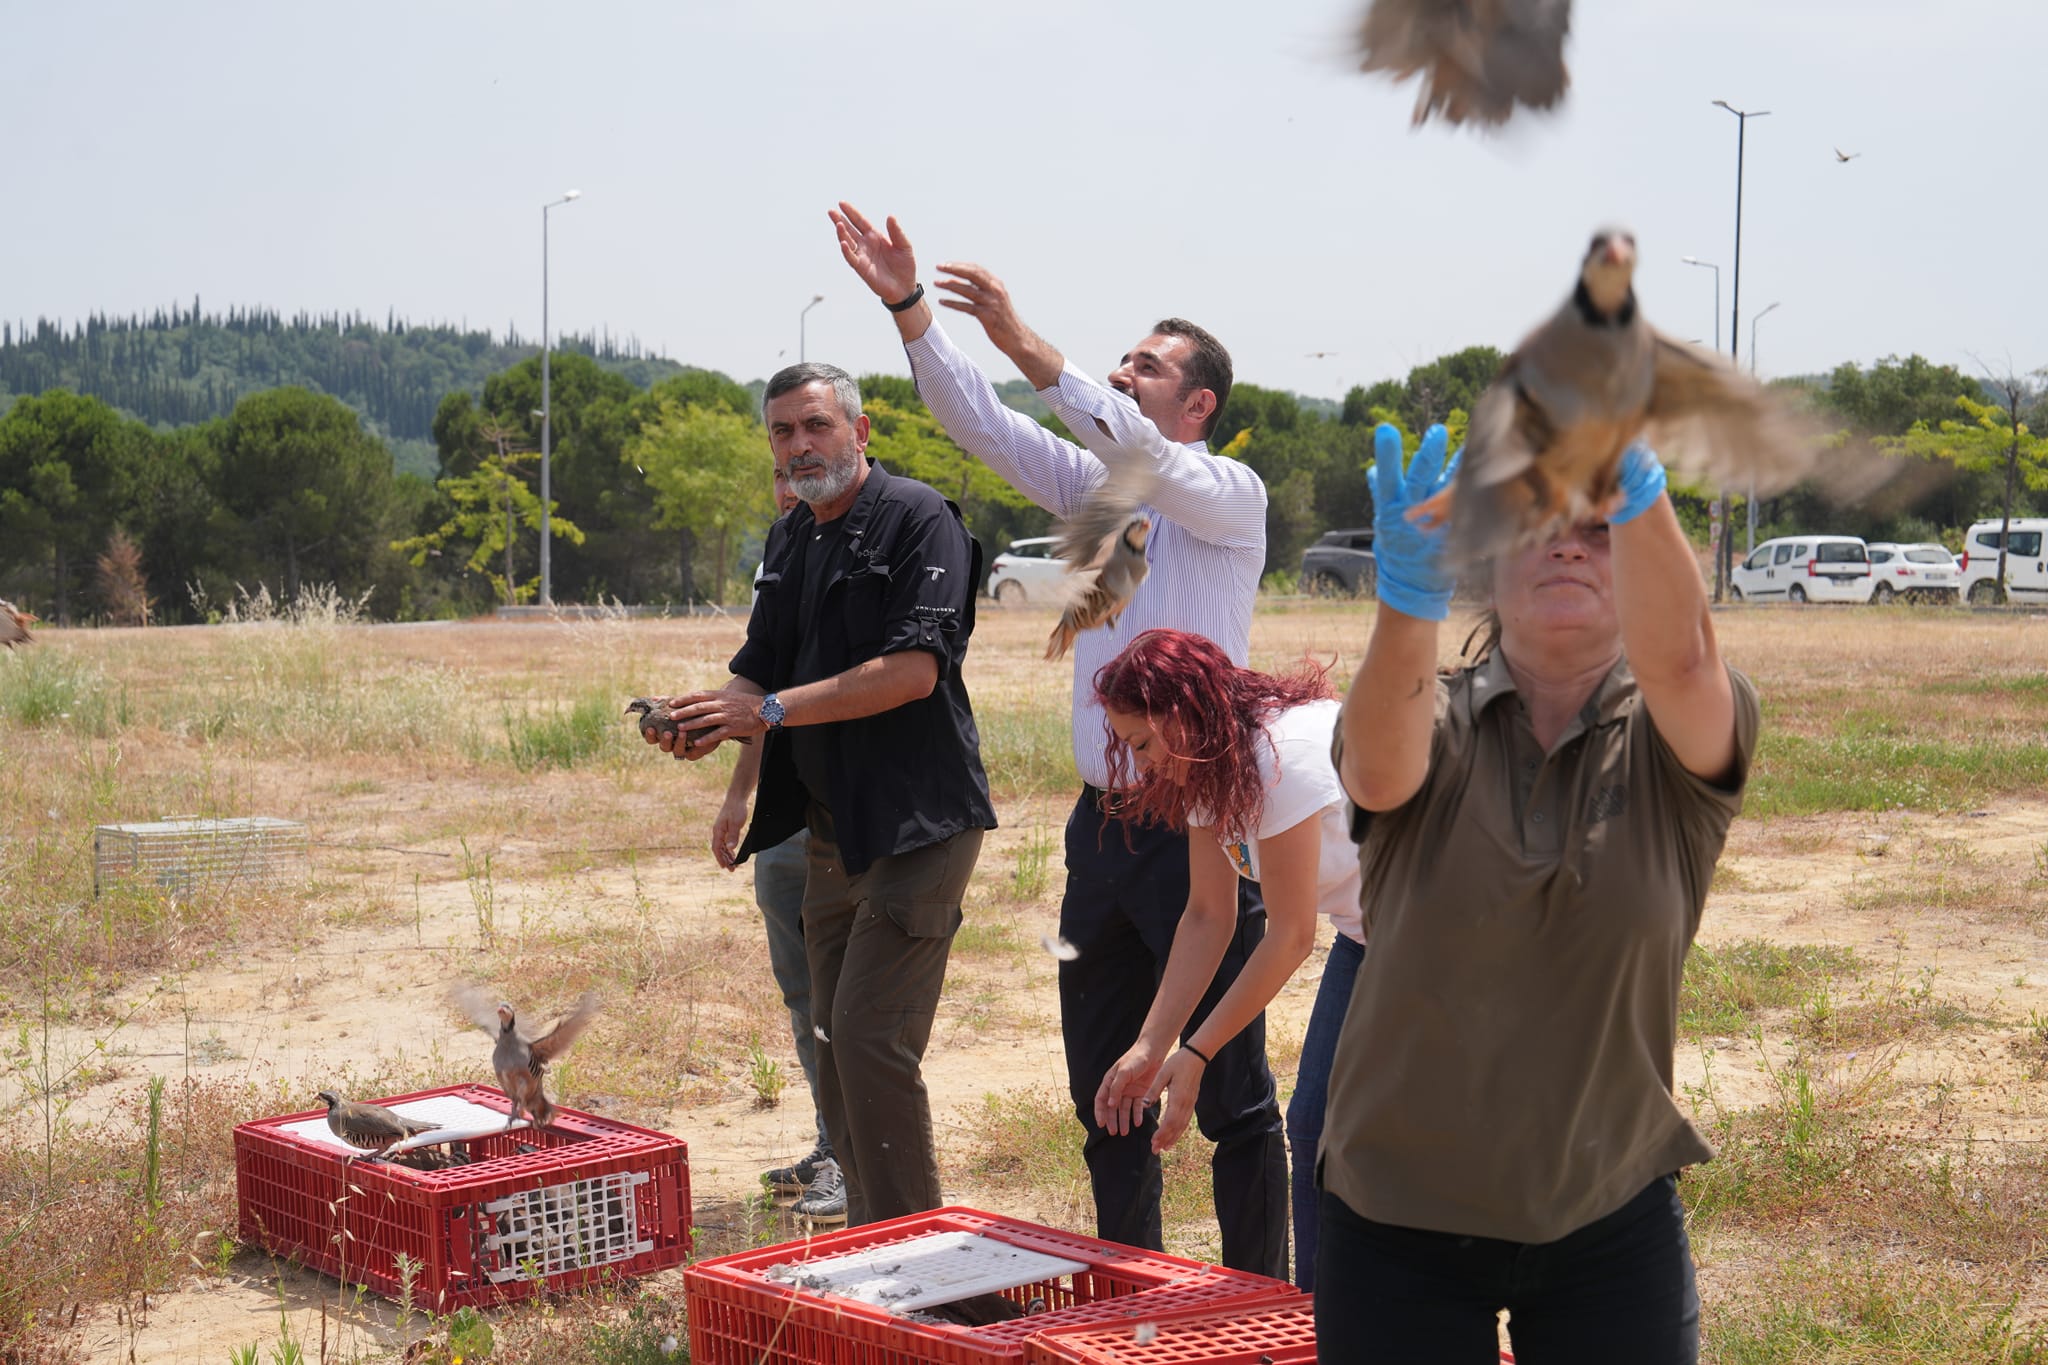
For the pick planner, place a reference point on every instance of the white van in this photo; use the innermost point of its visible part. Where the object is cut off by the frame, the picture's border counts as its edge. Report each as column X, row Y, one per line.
column 2026, row 561
column 1805, row 569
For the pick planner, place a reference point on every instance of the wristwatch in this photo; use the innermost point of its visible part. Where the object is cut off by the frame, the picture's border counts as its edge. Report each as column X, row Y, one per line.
column 771, row 711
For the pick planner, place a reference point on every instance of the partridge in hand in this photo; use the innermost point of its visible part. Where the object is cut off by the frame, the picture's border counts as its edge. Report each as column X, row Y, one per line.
column 1478, row 59
column 1546, row 439
column 1103, row 544
column 369, row 1125
column 654, row 715
column 14, row 624
column 522, row 1061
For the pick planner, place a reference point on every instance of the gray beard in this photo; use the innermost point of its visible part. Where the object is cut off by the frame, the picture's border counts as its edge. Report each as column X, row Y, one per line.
column 827, row 486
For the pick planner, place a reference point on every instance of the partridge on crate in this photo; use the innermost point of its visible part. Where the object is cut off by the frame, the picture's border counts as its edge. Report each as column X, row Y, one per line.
column 521, row 1060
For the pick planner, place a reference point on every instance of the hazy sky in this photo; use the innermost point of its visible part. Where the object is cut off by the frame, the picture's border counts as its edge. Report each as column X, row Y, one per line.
column 1113, row 161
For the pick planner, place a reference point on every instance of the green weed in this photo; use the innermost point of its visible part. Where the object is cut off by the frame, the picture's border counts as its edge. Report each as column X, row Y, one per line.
column 1726, row 987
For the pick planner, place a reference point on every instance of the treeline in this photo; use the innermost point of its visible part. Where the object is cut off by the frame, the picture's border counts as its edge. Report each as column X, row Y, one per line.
column 660, row 480
column 661, row 495
column 176, row 367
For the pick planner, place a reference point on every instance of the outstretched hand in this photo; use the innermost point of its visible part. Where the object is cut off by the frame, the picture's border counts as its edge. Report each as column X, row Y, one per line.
column 1408, row 540
column 885, row 261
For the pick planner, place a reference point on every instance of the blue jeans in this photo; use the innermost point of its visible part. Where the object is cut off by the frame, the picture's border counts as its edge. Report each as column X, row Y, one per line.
column 1618, row 1291
column 1311, row 1092
column 779, row 876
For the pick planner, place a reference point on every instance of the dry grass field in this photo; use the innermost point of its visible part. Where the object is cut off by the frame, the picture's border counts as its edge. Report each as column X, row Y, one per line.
column 1865, row 1029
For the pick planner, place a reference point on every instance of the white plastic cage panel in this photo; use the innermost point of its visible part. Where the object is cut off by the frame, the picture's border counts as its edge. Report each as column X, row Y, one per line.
column 177, row 856
column 566, row 1227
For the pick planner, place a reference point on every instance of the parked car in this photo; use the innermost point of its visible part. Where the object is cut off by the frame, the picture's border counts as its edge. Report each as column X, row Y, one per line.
column 2026, row 561
column 1918, row 573
column 1805, row 569
column 1025, row 570
column 1340, row 564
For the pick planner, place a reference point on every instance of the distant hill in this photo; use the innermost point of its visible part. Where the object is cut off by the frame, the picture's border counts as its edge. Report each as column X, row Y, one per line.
column 176, row 367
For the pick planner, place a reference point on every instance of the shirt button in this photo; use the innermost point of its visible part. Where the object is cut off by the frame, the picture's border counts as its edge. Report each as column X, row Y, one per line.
column 1537, row 817
column 1530, row 765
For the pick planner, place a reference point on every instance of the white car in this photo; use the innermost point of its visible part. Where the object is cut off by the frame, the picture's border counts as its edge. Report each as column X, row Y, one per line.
column 1919, row 573
column 1025, row 571
column 2026, row 561
column 1805, row 569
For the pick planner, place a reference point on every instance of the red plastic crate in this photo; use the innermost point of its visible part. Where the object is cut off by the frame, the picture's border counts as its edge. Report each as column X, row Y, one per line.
column 596, row 1198
column 738, row 1316
column 1282, row 1332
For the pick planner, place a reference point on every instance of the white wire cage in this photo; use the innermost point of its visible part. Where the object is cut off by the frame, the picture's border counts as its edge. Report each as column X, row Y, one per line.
column 571, row 1226
column 181, row 855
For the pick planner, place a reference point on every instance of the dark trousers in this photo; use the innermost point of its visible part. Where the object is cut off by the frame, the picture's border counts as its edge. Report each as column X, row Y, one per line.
column 1312, row 1093
column 1121, row 907
column 878, row 945
column 1620, row 1290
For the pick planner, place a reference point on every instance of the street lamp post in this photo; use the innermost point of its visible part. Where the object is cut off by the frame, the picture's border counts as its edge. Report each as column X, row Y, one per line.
column 816, row 299
column 1694, row 260
column 1752, row 374
column 547, row 582
column 1742, row 118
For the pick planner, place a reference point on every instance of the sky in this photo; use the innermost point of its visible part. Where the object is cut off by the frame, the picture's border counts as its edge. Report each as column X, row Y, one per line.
column 1113, row 162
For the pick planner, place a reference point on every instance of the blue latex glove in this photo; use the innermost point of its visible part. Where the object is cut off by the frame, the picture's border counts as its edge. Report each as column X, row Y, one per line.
column 1413, row 578
column 1641, row 484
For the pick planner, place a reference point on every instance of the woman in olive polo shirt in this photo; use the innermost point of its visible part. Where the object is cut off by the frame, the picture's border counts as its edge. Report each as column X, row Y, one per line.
column 1540, row 830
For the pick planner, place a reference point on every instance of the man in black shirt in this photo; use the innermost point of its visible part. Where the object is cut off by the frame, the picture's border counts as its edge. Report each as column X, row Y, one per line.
column 851, row 669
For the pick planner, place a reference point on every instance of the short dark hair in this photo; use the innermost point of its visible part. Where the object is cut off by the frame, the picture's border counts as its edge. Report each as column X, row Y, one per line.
column 1208, row 368
column 793, row 377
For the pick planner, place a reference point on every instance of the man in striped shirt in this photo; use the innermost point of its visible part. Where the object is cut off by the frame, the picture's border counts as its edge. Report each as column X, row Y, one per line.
column 1207, row 548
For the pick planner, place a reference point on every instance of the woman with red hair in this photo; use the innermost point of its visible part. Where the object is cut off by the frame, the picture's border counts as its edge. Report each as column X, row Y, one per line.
column 1241, row 760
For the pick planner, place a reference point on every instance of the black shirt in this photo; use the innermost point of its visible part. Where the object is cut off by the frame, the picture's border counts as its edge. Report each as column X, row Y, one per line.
column 902, row 575
column 820, row 561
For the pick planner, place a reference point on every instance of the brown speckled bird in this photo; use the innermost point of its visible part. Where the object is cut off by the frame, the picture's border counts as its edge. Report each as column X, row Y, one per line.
column 1103, row 544
column 369, row 1125
column 521, row 1061
column 1478, row 59
column 654, row 715
column 14, row 624
column 1547, row 436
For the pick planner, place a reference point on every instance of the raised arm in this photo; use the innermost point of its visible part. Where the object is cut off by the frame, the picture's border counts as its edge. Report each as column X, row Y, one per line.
column 1051, row 472
column 1222, row 501
column 1666, row 631
column 1389, row 716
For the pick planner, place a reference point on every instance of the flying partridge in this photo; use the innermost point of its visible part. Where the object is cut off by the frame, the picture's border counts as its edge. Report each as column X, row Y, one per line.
column 1103, row 544
column 1478, row 59
column 14, row 624
column 369, row 1125
column 521, row 1061
column 1547, row 436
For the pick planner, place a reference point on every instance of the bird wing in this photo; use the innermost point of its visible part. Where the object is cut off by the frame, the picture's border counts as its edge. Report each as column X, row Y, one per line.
column 479, row 1004
column 1085, row 537
column 1477, row 59
column 1508, row 431
column 1707, row 418
column 556, row 1040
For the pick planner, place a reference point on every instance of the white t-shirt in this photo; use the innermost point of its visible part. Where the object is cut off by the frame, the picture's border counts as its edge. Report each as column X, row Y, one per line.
column 1302, row 782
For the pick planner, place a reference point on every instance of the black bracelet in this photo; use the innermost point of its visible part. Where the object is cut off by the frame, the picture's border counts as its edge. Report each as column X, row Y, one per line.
column 1197, row 1051
column 908, row 303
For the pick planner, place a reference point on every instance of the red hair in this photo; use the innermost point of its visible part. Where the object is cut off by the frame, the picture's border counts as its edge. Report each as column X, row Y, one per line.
column 1189, row 690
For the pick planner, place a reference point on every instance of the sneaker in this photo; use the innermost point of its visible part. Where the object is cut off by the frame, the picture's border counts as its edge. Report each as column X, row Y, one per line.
column 825, row 1200
column 796, row 1177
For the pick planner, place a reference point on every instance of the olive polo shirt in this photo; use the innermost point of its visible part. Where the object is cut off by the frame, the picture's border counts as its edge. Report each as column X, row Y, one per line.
column 1504, row 1069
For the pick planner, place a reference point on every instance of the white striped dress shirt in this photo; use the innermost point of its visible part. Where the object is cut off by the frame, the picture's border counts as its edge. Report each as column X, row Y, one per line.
column 1207, row 546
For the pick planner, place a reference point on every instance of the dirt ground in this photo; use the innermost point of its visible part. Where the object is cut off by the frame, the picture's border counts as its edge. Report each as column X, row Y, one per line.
column 369, row 990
